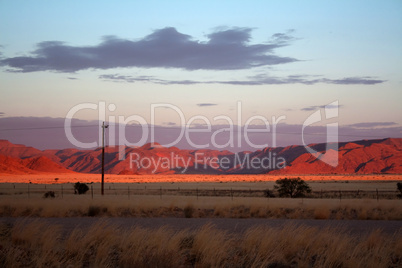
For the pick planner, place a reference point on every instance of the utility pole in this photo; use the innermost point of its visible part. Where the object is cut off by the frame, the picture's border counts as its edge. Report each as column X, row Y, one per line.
column 103, row 157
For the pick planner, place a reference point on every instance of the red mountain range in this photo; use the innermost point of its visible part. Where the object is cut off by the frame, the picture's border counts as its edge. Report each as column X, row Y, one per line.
column 358, row 157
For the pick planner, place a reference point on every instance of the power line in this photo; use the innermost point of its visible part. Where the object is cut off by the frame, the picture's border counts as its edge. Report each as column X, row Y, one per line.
column 323, row 134
column 40, row 128
column 278, row 132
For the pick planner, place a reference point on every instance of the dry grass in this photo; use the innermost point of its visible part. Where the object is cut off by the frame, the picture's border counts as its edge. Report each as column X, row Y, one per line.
column 202, row 207
column 139, row 200
column 35, row 244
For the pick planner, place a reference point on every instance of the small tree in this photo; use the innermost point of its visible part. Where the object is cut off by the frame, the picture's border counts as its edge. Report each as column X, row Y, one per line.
column 293, row 187
column 399, row 185
column 49, row 194
column 80, row 188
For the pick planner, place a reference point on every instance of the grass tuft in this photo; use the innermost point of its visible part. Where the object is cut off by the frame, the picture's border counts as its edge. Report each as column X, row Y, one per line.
column 189, row 211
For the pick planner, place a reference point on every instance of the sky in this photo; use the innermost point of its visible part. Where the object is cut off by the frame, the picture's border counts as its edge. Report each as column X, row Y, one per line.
column 201, row 62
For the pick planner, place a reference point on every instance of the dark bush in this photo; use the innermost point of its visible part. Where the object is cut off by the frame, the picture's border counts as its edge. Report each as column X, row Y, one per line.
column 188, row 211
column 293, row 187
column 269, row 193
column 80, row 188
column 49, row 194
column 94, row 211
column 399, row 186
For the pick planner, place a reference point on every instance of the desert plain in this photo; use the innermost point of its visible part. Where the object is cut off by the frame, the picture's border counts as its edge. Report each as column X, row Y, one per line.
column 199, row 221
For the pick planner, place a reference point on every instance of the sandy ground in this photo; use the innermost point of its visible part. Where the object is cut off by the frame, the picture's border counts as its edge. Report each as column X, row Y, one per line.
column 353, row 227
column 47, row 178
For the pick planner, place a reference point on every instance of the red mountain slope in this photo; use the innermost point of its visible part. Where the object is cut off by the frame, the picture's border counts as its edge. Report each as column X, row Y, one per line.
column 362, row 157
column 44, row 164
column 10, row 165
column 359, row 157
column 17, row 150
column 33, row 165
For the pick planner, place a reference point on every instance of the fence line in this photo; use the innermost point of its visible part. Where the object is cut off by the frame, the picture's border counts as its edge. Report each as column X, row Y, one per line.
column 31, row 189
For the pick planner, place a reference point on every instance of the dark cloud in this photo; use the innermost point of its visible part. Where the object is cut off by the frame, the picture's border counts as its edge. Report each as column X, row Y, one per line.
column 311, row 108
column 314, row 108
column 164, row 48
column 144, row 78
column 303, row 79
column 354, row 81
column 256, row 80
column 72, row 78
column 206, row 104
column 230, row 36
column 2, row 114
column 373, row 124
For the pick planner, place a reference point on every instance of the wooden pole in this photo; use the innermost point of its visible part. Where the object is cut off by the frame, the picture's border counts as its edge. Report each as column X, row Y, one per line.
column 103, row 158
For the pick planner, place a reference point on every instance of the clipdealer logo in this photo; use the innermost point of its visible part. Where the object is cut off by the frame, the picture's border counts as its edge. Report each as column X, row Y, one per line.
column 330, row 156
column 235, row 131
column 147, row 133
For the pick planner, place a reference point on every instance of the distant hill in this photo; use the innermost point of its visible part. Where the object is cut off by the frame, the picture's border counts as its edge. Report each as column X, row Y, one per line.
column 358, row 157
column 31, row 165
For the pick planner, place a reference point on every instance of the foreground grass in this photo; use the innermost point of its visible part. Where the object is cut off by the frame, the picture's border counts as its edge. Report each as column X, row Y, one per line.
column 35, row 244
column 202, row 207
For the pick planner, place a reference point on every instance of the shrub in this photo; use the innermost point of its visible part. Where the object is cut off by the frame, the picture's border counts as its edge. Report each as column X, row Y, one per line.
column 80, row 188
column 93, row 211
column 49, row 194
column 188, row 211
column 293, row 187
column 399, row 186
column 269, row 193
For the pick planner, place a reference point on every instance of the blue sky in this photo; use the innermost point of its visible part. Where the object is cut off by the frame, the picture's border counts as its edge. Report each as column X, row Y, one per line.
column 275, row 57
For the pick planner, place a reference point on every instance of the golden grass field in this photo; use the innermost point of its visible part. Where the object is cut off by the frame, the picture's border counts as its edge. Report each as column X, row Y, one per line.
column 36, row 244
column 201, row 207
